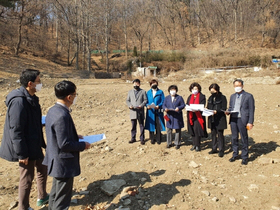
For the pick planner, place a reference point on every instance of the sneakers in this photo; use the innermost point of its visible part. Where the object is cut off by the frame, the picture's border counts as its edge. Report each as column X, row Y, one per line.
column 41, row 202
column 29, row 208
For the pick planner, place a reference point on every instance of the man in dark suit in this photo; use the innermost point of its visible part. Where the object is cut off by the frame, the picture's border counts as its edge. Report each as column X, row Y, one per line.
column 63, row 146
column 241, row 110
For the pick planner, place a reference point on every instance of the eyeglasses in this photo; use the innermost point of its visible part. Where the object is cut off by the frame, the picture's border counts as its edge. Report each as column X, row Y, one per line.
column 74, row 94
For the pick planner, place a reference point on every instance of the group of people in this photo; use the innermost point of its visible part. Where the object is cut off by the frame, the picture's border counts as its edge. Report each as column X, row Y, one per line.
column 23, row 142
column 161, row 109
column 23, row 136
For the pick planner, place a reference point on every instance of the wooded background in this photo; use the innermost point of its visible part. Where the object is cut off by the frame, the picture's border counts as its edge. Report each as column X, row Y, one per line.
column 73, row 28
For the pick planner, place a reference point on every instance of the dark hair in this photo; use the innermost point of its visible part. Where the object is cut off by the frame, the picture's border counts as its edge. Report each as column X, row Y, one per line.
column 64, row 88
column 215, row 86
column 136, row 80
column 153, row 81
column 173, row 87
column 195, row 84
column 28, row 75
column 238, row 80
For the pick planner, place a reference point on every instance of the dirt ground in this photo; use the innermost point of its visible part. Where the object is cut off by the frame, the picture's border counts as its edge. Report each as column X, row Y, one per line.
column 167, row 179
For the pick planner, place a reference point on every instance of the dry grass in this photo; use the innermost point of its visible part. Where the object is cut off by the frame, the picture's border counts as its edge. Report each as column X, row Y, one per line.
column 210, row 58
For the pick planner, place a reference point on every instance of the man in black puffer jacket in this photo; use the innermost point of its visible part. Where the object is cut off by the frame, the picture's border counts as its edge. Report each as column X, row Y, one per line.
column 23, row 137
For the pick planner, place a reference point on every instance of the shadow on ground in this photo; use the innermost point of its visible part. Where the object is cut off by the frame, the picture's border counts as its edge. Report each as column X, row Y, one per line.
column 152, row 195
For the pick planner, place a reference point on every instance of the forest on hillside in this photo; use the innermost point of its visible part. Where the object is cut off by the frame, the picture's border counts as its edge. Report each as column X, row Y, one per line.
column 76, row 28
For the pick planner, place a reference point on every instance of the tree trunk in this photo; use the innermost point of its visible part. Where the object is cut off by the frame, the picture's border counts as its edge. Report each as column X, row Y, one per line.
column 56, row 33
column 68, row 49
column 235, row 26
column 106, row 40
column 126, row 47
column 141, row 46
column 77, row 38
column 19, row 29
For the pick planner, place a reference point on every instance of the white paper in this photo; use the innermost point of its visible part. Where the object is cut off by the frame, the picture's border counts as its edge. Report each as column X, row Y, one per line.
column 195, row 107
column 207, row 112
column 198, row 107
column 152, row 106
column 233, row 111
column 188, row 108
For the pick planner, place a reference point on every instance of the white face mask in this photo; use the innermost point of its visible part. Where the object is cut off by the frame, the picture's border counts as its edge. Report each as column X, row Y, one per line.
column 75, row 100
column 173, row 92
column 38, row 87
column 194, row 92
column 238, row 89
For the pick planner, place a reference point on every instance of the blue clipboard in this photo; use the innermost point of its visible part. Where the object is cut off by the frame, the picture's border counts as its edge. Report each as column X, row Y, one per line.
column 44, row 120
column 93, row 138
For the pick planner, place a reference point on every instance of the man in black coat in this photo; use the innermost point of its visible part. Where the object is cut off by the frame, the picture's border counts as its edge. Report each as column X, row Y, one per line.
column 23, row 137
column 63, row 150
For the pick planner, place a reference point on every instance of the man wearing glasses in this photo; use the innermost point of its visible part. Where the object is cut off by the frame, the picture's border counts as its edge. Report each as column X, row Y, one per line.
column 64, row 147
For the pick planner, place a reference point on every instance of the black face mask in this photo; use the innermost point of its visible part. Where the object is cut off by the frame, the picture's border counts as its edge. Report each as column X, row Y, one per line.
column 136, row 87
column 154, row 86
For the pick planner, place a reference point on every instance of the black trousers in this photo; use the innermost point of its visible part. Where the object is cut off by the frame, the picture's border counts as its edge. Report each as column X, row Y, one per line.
column 61, row 193
column 196, row 138
column 158, row 130
column 133, row 129
column 237, row 127
column 218, row 139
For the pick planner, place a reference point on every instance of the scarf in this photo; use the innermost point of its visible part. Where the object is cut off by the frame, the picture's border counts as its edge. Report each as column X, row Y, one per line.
column 197, row 113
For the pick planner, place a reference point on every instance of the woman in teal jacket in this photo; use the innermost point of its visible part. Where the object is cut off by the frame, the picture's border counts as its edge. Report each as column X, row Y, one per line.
column 154, row 115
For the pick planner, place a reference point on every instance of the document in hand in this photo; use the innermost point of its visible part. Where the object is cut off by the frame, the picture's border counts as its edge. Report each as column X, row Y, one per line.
column 207, row 112
column 93, row 138
column 233, row 111
column 195, row 107
column 152, row 106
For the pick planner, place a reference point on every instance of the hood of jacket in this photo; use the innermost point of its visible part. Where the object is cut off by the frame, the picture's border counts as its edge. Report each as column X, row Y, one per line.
column 20, row 92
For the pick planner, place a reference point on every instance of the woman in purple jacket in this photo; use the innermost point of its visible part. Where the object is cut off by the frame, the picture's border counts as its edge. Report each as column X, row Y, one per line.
column 173, row 105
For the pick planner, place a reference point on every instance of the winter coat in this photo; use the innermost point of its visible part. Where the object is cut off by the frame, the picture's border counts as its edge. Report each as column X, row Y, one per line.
column 202, row 133
column 23, row 135
column 219, row 103
column 150, row 114
column 175, row 118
